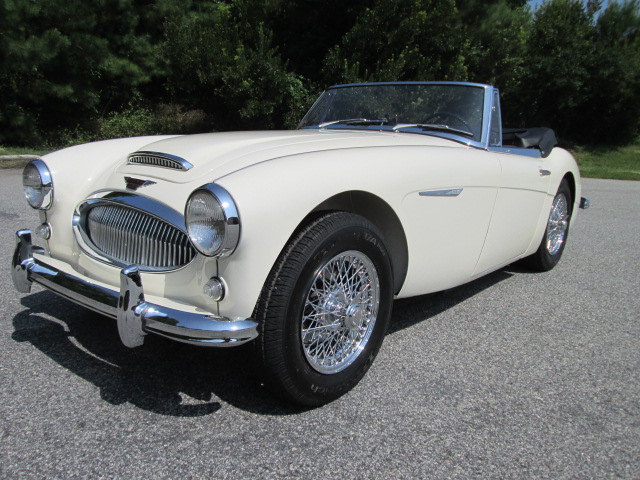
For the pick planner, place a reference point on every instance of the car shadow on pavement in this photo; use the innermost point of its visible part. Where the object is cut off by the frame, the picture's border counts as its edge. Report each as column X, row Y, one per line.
column 175, row 379
column 409, row 311
column 161, row 376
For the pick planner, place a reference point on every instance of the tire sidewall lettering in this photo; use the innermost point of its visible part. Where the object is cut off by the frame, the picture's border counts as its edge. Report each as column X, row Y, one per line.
column 286, row 365
column 365, row 242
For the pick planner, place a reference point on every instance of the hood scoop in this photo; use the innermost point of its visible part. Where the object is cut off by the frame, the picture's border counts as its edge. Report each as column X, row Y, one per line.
column 156, row 159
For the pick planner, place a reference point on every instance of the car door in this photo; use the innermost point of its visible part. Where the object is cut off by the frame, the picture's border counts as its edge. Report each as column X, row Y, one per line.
column 446, row 215
column 523, row 187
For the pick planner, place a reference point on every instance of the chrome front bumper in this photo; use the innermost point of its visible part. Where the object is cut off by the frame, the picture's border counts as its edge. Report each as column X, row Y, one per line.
column 135, row 316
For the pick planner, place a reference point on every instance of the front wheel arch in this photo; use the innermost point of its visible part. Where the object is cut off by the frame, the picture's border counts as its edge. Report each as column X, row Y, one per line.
column 378, row 212
column 571, row 181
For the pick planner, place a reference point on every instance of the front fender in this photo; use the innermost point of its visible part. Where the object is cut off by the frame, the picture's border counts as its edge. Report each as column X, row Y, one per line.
column 273, row 199
column 77, row 172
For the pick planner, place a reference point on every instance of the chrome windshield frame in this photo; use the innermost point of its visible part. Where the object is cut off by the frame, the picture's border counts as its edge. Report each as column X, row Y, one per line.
column 489, row 93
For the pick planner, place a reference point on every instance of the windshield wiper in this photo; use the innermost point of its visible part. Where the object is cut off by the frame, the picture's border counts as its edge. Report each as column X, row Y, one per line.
column 433, row 126
column 356, row 121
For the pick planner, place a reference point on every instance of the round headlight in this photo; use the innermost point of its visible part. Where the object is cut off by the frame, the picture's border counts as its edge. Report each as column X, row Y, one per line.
column 212, row 221
column 37, row 184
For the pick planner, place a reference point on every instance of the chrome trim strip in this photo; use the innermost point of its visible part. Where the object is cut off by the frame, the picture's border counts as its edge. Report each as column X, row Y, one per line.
column 467, row 84
column 188, row 327
column 495, row 112
column 525, row 152
column 486, row 117
column 159, row 159
column 447, row 192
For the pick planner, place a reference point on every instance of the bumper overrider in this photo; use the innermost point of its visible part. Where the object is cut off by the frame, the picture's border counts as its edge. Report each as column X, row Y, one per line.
column 135, row 316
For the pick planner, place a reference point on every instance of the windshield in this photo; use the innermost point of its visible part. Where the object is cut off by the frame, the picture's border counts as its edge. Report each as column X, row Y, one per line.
column 444, row 108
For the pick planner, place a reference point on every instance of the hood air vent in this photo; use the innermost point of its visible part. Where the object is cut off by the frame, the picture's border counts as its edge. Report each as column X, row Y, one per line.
column 162, row 160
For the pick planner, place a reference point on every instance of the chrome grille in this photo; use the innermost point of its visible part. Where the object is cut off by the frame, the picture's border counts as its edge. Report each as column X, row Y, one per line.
column 163, row 160
column 131, row 237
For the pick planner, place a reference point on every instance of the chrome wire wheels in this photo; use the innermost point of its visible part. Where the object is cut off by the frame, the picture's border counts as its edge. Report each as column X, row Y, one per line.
column 557, row 224
column 325, row 309
column 555, row 236
column 340, row 311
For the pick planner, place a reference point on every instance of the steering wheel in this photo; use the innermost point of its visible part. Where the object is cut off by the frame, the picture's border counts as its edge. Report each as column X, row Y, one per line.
column 444, row 115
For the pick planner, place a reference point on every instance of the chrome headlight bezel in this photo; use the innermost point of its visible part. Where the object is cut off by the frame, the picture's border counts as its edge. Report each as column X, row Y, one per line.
column 228, row 220
column 40, row 196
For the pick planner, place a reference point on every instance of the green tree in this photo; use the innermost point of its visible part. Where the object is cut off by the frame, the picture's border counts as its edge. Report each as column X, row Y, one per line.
column 222, row 60
column 497, row 32
column 614, row 102
column 556, row 83
column 582, row 71
column 401, row 40
column 64, row 61
column 305, row 30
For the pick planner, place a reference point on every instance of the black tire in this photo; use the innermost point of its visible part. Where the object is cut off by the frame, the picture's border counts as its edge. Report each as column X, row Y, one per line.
column 303, row 294
column 555, row 236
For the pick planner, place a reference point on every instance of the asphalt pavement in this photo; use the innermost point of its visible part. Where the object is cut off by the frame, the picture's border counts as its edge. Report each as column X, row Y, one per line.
column 516, row 375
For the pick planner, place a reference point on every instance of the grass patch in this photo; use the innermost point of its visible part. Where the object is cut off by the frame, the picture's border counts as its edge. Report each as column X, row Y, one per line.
column 22, row 151
column 620, row 163
column 9, row 156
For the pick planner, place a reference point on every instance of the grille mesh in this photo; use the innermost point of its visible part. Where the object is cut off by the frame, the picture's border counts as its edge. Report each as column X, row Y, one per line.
column 130, row 237
column 156, row 160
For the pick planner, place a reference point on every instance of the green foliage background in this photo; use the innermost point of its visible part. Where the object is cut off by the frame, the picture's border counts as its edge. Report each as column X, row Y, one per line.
column 73, row 71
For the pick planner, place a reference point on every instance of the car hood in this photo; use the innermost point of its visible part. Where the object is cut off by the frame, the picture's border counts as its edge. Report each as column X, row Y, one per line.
column 215, row 155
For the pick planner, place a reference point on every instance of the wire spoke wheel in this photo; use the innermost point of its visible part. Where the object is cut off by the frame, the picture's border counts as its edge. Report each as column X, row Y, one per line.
column 555, row 235
column 557, row 224
column 325, row 309
column 340, row 312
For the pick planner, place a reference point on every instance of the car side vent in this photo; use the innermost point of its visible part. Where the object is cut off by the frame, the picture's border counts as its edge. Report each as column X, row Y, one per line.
column 162, row 160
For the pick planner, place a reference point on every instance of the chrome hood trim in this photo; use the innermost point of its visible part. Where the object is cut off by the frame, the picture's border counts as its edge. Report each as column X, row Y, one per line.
column 157, row 159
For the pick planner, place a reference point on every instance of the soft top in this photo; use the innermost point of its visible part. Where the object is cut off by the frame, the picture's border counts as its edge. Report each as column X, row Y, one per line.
column 541, row 138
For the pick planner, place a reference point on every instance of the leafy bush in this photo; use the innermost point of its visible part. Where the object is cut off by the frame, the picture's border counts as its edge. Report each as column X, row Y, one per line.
column 173, row 118
column 401, row 40
column 136, row 121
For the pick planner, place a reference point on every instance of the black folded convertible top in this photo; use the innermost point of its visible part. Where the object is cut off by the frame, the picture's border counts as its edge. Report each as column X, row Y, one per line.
column 541, row 138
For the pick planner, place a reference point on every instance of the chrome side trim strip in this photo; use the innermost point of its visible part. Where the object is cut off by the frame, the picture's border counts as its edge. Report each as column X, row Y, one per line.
column 447, row 192
column 525, row 152
column 128, row 302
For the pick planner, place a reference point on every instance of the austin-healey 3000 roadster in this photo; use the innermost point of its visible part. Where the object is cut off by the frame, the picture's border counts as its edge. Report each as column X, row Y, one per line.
column 299, row 241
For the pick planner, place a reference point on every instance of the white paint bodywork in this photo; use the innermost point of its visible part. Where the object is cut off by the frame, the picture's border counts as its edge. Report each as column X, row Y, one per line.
column 278, row 178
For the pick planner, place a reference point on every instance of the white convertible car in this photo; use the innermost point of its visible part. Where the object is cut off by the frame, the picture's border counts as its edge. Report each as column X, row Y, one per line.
column 299, row 240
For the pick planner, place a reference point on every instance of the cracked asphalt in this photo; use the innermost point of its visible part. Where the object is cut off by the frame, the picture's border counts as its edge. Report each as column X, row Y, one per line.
column 516, row 375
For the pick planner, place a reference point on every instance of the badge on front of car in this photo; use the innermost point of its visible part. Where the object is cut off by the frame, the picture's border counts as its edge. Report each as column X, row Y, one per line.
column 136, row 183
